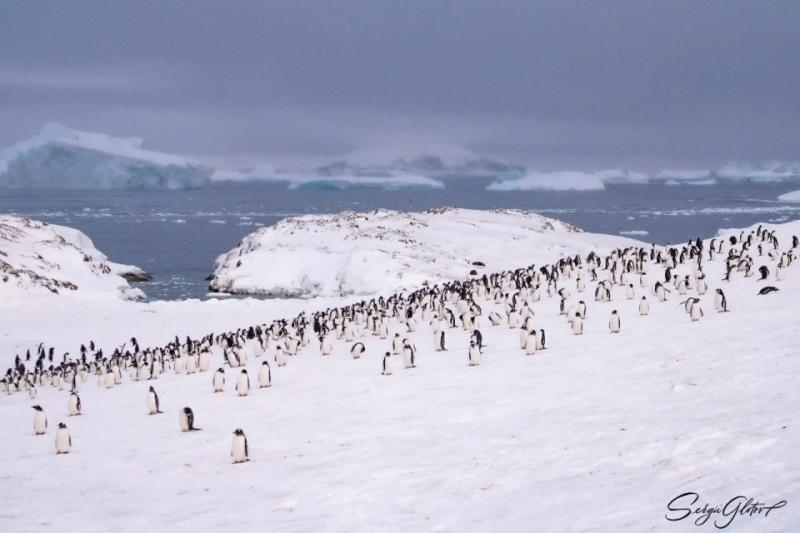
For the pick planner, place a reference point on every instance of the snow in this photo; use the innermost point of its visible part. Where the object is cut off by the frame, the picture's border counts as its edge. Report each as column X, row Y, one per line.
column 369, row 253
column 793, row 196
column 567, row 181
column 40, row 261
column 596, row 433
column 60, row 157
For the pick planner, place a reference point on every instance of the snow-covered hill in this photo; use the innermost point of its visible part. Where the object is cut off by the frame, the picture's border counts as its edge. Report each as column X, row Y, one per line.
column 62, row 158
column 39, row 259
column 369, row 253
column 598, row 432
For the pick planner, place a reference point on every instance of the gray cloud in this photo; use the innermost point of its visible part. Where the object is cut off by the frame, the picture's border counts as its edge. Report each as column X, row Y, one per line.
column 553, row 83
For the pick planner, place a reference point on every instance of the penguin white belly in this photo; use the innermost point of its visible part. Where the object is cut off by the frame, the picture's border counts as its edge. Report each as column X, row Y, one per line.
column 577, row 325
column 280, row 357
column 203, row 361
column 407, row 358
column 523, row 338
column 263, row 377
column 151, row 403
column 388, row 368
column 72, row 406
column 238, row 449
column 613, row 324
column 474, row 355
column 530, row 344
column 242, row 387
column 39, row 423
column 191, row 364
column 696, row 312
column 644, row 308
column 183, row 421
column 62, row 441
column 219, row 382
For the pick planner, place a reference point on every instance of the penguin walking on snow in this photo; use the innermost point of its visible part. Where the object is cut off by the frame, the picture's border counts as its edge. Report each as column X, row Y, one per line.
column 644, row 307
column 577, row 324
column 186, row 420
column 239, row 451
column 474, row 353
column 264, row 375
column 695, row 311
column 720, row 302
column 243, row 384
column 74, row 404
column 219, row 380
column 39, row 421
column 409, row 354
column 152, row 402
column 613, row 322
column 357, row 350
column 387, row 364
column 63, row 439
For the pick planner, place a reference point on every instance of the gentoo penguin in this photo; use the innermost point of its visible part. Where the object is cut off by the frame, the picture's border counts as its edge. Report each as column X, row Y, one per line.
column 239, row 450
column 766, row 290
column 438, row 341
column 186, row 420
column 152, row 402
column 218, row 380
column 325, row 346
column 613, row 322
column 495, row 318
column 397, row 344
column 530, row 342
column 39, row 421
column 577, row 324
column 474, row 353
column 695, row 311
column 357, row 350
column 280, row 356
column 644, row 307
column 409, row 353
column 243, row 384
column 63, row 439
column 387, row 364
column 264, row 375
column 764, row 271
column 720, row 302
column 74, row 404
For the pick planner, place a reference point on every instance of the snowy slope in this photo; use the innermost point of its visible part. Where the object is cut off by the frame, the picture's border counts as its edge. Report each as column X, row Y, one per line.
column 596, row 433
column 368, row 253
column 38, row 260
column 60, row 157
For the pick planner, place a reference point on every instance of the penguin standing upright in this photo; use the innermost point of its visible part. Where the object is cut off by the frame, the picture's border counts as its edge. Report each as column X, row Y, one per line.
column 577, row 324
column 409, row 354
column 280, row 356
column 387, row 364
column 720, row 302
column 186, row 420
column 530, row 342
column 613, row 322
column 239, row 451
column 695, row 311
column 39, row 421
column 644, row 307
column 264, row 375
column 474, row 353
column 357, row 350
column 397, row 344
column 63, row 439
column 219, row 380
column 243, row 384
column 152, row 402
column 74, row 404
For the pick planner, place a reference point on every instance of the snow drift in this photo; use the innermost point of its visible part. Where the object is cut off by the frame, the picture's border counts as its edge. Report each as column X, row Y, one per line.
column 61, row 158
column 39, row 259
column 370, row 253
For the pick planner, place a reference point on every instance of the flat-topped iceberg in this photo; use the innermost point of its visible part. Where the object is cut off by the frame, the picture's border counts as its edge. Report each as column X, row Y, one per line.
column 39, row 259
column 369, row 253
column 62, row 158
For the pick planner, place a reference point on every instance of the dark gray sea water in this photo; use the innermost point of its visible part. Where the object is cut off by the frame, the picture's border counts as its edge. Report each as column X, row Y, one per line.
column 176, row 235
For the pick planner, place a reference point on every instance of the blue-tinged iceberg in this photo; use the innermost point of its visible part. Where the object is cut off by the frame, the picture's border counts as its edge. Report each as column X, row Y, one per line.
column 61, row 158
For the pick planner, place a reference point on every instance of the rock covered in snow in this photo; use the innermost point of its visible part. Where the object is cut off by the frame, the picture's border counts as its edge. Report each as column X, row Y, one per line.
column 370, row 253
column 61, row 158
column 38, row 259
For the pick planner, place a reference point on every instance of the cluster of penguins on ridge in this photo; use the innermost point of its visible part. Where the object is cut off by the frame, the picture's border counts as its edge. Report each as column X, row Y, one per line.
column 437, row 304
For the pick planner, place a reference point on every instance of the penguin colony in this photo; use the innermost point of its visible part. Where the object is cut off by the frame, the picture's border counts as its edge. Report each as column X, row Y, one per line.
column 448, row 308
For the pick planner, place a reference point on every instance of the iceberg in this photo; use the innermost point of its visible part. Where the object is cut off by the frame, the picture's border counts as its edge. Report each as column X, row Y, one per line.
column 62, row 158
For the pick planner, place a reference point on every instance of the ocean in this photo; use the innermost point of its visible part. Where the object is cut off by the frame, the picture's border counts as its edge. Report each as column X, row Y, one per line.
column 176, row 235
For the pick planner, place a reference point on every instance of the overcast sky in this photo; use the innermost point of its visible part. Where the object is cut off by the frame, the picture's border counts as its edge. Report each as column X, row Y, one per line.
column 643, row 84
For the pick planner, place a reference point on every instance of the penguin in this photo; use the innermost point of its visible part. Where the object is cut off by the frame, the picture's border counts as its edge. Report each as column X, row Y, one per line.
column 720, row 302
column 239, row 451
column 614, row 322
column 264, row 375
column 530, row 343
column 644, row 307
column 243, row 384
column 695, row 311
column 577, row 324
column 494, row 318
column 387, row 364
column 74, row 404
column 218, row 381
column 357, row 350
column 280, row 356
column 397, row 344
column 39, row 421
column 766, row 290
column 438, row 341
column 764, row 271
column 186, row 420
column 152, row 402
column 474, row 353
column 63, row 439
column 325, row 346
column 409, row 353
